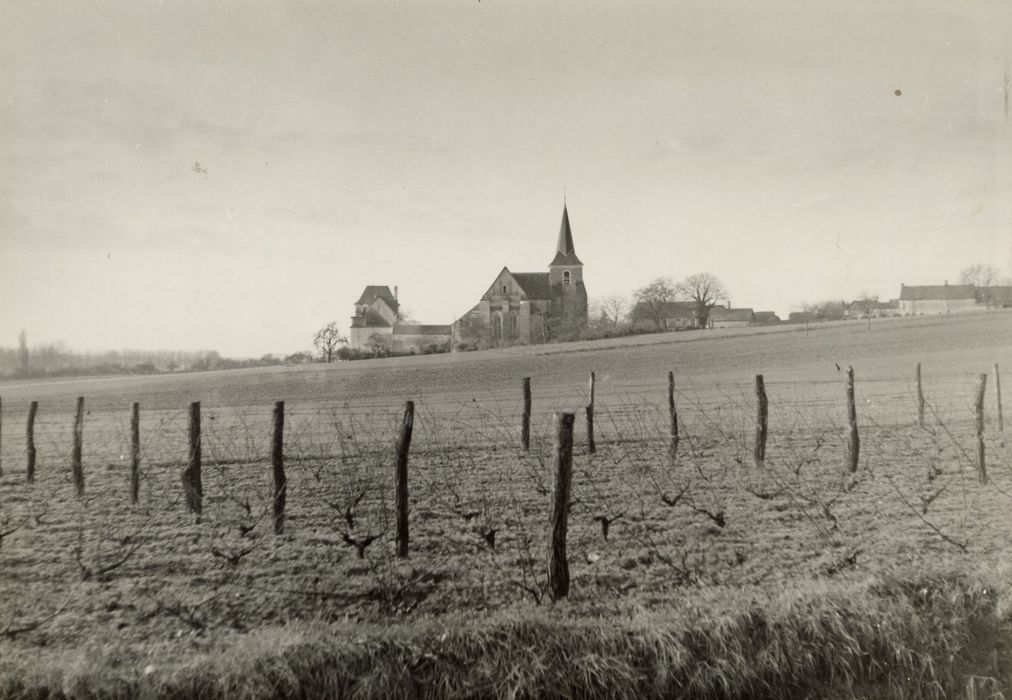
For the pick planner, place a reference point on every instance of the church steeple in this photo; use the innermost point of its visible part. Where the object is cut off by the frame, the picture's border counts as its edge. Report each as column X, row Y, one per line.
column 565, row 251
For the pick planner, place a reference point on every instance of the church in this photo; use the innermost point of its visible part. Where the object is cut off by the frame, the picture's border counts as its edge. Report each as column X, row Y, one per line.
column 522, row 308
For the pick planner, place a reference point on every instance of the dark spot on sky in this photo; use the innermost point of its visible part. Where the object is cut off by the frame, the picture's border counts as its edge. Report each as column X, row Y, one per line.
column 898, row 93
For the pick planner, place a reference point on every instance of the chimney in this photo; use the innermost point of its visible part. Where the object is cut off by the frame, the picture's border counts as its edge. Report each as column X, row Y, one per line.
column 395, row 294
column 946, row 283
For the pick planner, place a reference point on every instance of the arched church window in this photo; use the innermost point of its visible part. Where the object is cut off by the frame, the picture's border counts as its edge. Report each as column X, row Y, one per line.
column 565, row 277
column 497, row 326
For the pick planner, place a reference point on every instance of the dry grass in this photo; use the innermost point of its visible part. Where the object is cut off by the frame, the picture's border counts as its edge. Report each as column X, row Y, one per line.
column 879, row 637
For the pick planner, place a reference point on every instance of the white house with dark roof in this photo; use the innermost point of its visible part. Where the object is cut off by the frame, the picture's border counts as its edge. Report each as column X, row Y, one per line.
column 937, row 299
column 520, row 308
column 377, row 320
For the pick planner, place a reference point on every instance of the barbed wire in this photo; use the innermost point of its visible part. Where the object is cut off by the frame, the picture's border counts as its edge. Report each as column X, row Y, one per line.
column 639, row 506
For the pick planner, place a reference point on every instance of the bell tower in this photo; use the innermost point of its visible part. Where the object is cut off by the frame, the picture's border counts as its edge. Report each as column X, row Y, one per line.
column 565, row 275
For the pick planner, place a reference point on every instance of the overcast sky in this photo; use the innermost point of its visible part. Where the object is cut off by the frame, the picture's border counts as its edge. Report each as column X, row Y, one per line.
column 798, row 150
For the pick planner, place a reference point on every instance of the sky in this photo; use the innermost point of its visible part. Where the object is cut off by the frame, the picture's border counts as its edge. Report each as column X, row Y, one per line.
column 229, row 176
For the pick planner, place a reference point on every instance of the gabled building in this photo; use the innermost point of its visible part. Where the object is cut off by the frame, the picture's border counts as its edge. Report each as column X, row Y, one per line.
column 937, row 299
column 520, row 308
column 665, row 315
column 377, row 323
column 767, row 318
column 376, row 312
column 376, row 306
column 801, row 317
column 723, row 317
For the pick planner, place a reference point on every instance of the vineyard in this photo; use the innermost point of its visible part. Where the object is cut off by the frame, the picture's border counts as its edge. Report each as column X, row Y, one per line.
column 113, row 581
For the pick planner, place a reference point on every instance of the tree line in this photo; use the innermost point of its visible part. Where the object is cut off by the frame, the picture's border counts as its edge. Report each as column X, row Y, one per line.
column 57, row 359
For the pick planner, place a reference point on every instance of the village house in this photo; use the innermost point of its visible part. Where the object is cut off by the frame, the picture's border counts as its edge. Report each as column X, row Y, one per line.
column 522, row 308
column 378, row 325
column 766, row 318
column 723, row 317
column 665, row 315
column 937, row 299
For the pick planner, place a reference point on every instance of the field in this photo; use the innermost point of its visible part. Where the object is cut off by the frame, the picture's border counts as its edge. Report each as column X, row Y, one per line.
column 893, row 580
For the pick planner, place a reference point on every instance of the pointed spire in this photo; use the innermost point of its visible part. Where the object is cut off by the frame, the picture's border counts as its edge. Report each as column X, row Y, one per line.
column 565, row 233
column 565, row 251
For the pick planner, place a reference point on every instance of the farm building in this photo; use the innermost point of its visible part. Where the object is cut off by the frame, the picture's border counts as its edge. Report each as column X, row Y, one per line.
column 520, row 308
column 766, row 318
column 666, row 315
column 378, row 322
column 723, row 317
column 937, row 299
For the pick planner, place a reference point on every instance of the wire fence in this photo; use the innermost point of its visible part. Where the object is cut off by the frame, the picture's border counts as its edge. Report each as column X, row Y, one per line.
column 647, row 511
column 241, row 433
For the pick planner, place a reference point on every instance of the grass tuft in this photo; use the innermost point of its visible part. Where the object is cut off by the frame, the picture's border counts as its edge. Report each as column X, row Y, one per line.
column 927, row 636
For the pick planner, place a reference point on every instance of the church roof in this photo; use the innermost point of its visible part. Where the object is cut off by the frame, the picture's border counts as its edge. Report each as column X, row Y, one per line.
column 374, row 291
column 565, row 251
column 536, row 285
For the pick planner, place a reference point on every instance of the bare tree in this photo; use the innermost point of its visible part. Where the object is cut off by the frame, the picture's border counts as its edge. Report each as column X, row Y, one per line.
column 867, row 303
column 406, row 315
column 705, row 290
column 380, row 344
column 829, row 310
column 979, row 275
column 652, row 298
column 474, row 333
column 327, row 339
column 609, row 311
column 984, row 277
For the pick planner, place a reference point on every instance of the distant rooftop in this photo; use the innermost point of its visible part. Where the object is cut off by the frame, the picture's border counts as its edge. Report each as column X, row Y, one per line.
column 720, row 313
column 937, row 292
column 374, row 291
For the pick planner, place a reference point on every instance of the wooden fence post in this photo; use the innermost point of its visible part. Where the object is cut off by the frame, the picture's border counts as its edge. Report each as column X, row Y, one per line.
column 558, row 565
column 401, row 478
column 135, row 452
column 762, row 413
column 193, row 489
column 75, row 460
column 854, row 447
column 920, row 399
column 278, row 467
column 33, row 408
column 525, row 420
column 981, row 465
column 591, row 447
column 997, row 390
column 673, row 414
